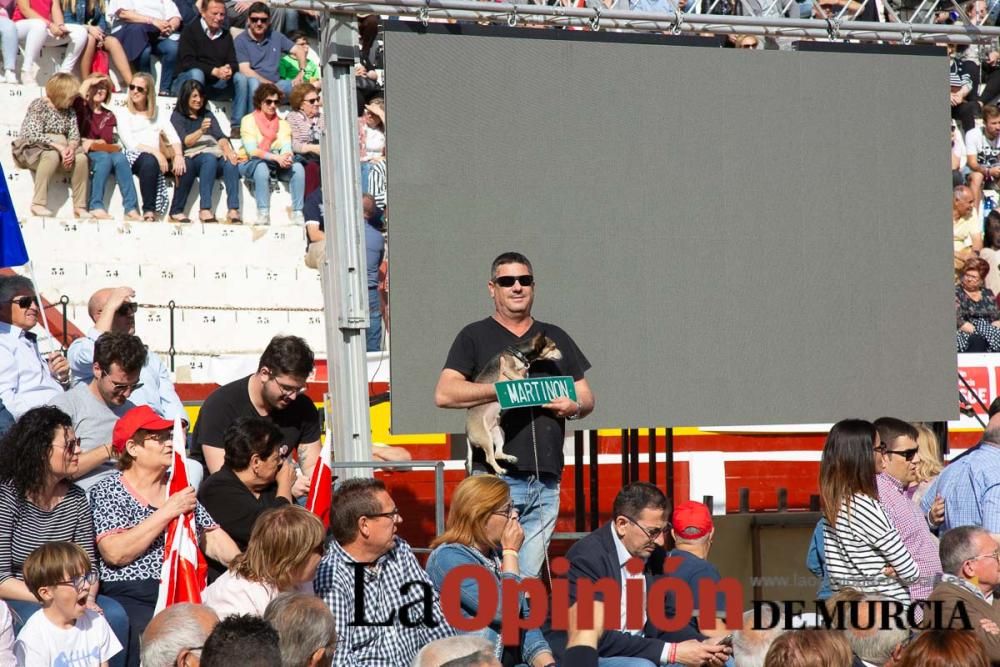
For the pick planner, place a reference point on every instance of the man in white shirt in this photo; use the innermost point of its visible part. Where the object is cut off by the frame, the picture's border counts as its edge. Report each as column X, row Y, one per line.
column 112, row 309
column 26, row 379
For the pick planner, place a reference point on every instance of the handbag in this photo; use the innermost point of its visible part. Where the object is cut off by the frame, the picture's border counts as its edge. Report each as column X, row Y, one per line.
column 101, row 64
column 101, row 147
column 26, row 154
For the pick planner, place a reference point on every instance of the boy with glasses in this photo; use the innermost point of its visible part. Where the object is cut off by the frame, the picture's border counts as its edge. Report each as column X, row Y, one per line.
column 68, row 630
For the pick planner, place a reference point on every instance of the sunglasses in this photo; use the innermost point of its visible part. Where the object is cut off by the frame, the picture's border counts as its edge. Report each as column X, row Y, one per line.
column 259, row 19
column 127, row 309
column 907, row 454
column 120, row 387
column 651, row 533
column 134, row 87
column 508, row 281
column 270, row 103
column 311, row 100
column 24, row 302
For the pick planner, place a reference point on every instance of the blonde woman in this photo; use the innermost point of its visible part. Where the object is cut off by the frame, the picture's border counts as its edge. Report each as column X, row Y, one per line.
column 140, row 129
column 49, row 142
column 483, row 529
column 930, row 465
column 284, row 551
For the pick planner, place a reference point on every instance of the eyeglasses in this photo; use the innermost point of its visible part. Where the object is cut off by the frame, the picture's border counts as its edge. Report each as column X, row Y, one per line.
column 388, row 515
column 80, row 580
column 135, row 88
column 881, row 449
column 24, row 302
column 127, row 309
column 507, row 510
column 121, row 387
column 907, row 454
column 508, row 281
column 270, row 102
column 71, row 445
column 651, row 533
column 259, row 19
column 311, row 100
column 287, row 389
column 992, row 554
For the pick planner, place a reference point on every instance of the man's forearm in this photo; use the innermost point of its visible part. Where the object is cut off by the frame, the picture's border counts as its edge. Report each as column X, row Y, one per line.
column 461, row 393
column 93, row 459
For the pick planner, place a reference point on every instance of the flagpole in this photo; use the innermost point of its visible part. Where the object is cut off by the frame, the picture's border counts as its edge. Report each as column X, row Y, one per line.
column 41, row 304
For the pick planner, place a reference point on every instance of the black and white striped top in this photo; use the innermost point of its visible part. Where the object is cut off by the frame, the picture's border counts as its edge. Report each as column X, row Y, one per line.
column 958, row 76
column 24, row 527
column 861, row 545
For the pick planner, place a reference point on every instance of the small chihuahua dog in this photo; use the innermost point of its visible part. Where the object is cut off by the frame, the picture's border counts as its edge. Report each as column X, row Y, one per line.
column 482, row 422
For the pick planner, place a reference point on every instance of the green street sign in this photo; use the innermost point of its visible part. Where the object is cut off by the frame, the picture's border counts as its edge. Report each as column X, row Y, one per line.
column 534, row 391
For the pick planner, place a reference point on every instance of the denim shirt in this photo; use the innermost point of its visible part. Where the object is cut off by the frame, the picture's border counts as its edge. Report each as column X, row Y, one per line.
column 447, row 557
column 79, row 15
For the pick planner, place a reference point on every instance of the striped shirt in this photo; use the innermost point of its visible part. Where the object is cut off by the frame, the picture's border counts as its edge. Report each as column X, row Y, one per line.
column 906, row 518
column 861, row 545
column 24, row 527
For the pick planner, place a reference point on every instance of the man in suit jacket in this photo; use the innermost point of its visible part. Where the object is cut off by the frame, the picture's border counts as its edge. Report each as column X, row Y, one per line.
column 970, row 557
column 636, row 530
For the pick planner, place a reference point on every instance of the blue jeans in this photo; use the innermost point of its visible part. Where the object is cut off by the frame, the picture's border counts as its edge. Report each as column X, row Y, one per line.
column 257, row 170
column 220, row 90
column 537, row 503
column 8, row 43
column 101, row 165
column 244, row 88
column 624, row 662
column 206, row 169
column 166, row 49
column 374, row 336
column 114, row 613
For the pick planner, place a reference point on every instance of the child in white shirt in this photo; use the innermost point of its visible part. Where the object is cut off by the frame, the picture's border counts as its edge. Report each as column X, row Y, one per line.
column 64, row 632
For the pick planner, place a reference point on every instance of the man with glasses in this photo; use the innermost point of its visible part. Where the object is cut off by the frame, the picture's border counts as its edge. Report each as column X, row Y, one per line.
column 26, row 379
column 899, row 458
column 177, row 635
column 534, row 435
column 635, row 531
column 258, row 52
column 113, row 309
column 275, row 392
column 971, row 560
column 96, row 406
column 368, row 557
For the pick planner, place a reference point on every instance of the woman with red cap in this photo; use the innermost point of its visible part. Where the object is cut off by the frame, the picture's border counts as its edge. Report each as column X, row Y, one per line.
column 132, row 510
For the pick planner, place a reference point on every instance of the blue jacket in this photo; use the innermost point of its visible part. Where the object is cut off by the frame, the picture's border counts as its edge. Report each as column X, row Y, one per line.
column 449, row 556
column 816, row 561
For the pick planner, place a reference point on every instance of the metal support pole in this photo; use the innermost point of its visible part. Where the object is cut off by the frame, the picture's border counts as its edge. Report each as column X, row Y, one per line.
column 172, row 306
column 345, row 273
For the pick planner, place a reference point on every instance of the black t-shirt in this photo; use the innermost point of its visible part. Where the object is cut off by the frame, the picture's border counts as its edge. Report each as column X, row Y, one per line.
column 299, row 422
column 473, row 349
column 234, row 508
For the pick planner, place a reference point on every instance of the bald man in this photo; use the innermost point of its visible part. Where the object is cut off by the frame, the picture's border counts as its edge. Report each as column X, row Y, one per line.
column 113, row 309
column 175, row 636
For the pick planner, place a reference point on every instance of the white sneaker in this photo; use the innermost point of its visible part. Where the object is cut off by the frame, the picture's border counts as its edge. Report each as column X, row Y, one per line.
column 10, row 77
column 297, row 218
column 29, row 74
column 263, row 217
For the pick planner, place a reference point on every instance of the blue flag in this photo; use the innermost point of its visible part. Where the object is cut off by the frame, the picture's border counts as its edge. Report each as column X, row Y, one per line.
column 12, row 250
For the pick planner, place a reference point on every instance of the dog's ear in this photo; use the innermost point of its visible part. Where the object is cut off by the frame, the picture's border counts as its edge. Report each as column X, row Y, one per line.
column 538, row 343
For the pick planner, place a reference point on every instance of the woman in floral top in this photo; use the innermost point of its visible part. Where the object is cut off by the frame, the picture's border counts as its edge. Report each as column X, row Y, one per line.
column 978, row 316
column 132, row 512
column 50, row 124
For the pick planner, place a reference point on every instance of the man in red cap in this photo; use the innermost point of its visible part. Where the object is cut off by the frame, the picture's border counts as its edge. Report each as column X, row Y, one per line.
column 692, row 530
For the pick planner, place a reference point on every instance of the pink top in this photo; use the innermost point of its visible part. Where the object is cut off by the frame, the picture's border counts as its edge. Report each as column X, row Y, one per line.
column 43, row 7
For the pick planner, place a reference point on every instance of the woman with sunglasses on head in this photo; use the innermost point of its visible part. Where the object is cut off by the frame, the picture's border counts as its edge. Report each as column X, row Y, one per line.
column 97, row 128
column 267, row 141
column 142, row 132
column 254, row 477
column 208, row 153
column 284, row 551
column 861, row 548
column 132, row 511
column 483, row 530
column 38, row 504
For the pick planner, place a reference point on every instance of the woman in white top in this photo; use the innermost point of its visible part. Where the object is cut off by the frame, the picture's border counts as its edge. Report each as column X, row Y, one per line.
column 372, row 138
column 862, row 549
column 140, row 129
column 284, row 551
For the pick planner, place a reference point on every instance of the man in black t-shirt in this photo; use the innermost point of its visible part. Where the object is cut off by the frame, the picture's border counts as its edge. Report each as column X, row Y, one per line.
column 277, row 393
column 534, row 435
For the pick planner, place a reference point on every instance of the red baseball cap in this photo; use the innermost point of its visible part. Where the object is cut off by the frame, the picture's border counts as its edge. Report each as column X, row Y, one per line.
column 141, row 417
column 692, row 520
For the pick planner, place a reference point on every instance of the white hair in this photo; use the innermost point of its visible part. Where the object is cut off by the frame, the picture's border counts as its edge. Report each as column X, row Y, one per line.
column 453, row 648
column 750, row 646
column 183, row 632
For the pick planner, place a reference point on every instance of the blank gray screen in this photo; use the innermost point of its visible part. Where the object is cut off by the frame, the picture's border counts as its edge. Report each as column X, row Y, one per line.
column 730, row 236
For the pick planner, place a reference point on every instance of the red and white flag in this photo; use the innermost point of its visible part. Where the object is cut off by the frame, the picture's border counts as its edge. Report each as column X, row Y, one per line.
column 184, row 570
column 321, row 485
